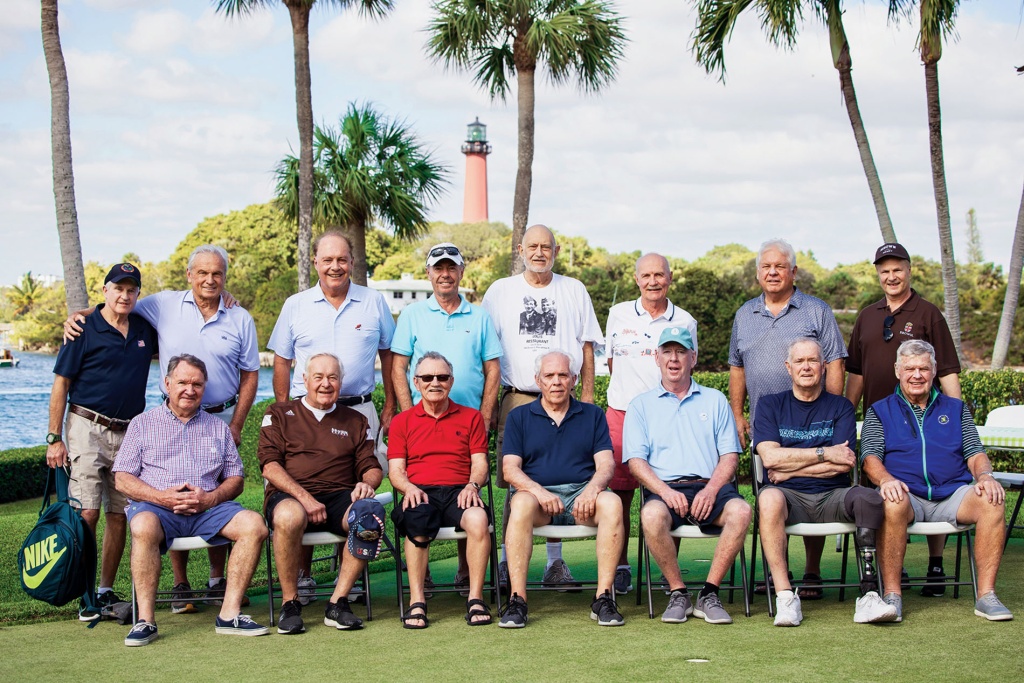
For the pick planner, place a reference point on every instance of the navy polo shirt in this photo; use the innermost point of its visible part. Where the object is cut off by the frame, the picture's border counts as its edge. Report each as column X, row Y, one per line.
column 557, row 454
column 108, row 371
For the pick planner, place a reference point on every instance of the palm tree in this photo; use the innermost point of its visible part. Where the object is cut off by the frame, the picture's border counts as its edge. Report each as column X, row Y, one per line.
column 373, row 168
column 498, row 40
column 298, row 12
column 63, row 176
column 780, row 18
column 24, row 295
column 1002, row 344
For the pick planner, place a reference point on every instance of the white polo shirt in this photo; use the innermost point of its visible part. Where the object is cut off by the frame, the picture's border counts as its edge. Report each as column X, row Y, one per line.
column 630, row 342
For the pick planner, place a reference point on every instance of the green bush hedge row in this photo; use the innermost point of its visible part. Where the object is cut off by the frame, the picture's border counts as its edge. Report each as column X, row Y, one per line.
column 23, row 473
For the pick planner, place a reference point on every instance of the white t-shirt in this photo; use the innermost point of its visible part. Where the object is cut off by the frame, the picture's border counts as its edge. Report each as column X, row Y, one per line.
column 630, row 343
column 532, row 320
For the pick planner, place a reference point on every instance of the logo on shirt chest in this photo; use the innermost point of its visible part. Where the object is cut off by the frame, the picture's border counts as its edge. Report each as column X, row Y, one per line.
column 908, row 330
column 943, row 419
column 339, row 432
column 142, row 344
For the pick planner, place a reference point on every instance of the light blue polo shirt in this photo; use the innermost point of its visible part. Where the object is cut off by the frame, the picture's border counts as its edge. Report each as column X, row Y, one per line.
column 465, row 337
column 680, row 438
column 226, row 342
column 309, row 325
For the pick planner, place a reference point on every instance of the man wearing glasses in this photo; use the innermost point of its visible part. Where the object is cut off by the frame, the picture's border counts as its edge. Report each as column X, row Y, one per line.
column 899, row 316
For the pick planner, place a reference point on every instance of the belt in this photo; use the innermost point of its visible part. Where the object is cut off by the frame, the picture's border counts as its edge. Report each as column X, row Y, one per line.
column 354, row 400
column 512, row 390
column 687, row 480
column 111, row 423
column 221, row 407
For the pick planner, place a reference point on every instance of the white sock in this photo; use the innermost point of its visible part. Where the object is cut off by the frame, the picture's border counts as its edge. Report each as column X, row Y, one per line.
column 554, row 551
column 785, row 594
column 503, row 557
column 103, row 589
column 624, row 566
column 213, row 581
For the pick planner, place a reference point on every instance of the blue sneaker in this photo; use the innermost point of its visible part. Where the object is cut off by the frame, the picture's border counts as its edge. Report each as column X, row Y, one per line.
column 143, row 633
column 241, row 625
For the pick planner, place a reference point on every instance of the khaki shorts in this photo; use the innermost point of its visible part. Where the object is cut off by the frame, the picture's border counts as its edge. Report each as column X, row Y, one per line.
column 91, row 450
column 509, row 400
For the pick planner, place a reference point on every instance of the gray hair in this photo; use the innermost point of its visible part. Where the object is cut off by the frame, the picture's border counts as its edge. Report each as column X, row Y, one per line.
column 915, row 347
column 433, row 355
column 554, row 352
column 188, row 359
column 332, row 233
column 210, row 249
column 668, row 266
column 780, row 245
column 309, row 361
column 805, row 340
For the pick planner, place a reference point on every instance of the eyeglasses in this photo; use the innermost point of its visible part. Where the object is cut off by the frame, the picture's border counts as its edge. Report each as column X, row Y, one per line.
column 431, row 378
column 887, row 327
column 441, row 251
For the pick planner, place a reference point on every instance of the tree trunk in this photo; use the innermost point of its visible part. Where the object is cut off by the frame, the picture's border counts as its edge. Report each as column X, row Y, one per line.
column 63, row 175
column 952, row 297
column 1002, row 344
column 524, row 172
column 356, row 233
column 844, row 64
column 299, row 11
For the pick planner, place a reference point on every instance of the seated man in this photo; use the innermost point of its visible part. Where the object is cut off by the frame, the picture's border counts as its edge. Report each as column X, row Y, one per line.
column 437, row 452
column 803, row 437
column 558, row 461
column 679, row 441
column 180, row 470
column 321, row 470
column 923, row 451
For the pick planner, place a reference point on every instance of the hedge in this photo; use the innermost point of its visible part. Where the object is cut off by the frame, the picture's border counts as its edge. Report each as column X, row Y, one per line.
column 23, row 473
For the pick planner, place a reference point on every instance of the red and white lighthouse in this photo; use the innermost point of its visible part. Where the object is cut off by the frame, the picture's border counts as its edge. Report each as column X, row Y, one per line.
column 476, row 149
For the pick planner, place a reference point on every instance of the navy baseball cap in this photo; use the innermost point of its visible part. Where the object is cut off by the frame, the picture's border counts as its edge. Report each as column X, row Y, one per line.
column 365, row 528
column 123, row 271
column 676, row 335
column 891, row 250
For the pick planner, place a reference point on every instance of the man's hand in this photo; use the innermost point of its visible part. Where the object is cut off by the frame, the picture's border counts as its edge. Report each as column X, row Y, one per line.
column 703, row 503
column 550, row 503
column 415, row 496
column 236, row 433
column 229, row 301
column 57, row 455
column 742, row 429
column 675, row 500
column 386, row 414
column 586, row 504
column 469, row 497
column 893, row 490
column 73, row 327
column 841, row 454
column 991, row 488
column 182, row 499
column 362, row 490
column 316, row 512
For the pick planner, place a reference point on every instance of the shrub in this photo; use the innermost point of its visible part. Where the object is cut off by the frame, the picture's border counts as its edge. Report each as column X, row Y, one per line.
column 23, row 472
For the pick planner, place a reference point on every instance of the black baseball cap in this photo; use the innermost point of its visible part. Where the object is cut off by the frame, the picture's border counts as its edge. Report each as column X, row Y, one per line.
column 891, row 250
column 124, row 271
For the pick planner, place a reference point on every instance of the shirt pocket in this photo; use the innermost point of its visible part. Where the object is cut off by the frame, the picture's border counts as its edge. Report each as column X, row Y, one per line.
column 208, row 458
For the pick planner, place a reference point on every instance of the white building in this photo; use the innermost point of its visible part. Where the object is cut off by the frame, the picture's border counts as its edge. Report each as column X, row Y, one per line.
column 401, row 293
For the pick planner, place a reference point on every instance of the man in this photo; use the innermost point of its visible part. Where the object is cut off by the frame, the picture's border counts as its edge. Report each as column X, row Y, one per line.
column 631, row 339
column 438, row 454
column 922, row 449
column 352, row 322
column 103, row 374
column 321, row 472
column 465, row 332
column 803, row 437
column 200, row 321
column 880, row 328
column 180, row 469
column 574, row 329
column 558, row 462
column 680, row 442
column 763, row 329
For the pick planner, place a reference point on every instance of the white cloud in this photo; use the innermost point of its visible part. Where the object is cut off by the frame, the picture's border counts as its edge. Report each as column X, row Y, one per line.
column 156, row 32
column 217, row 34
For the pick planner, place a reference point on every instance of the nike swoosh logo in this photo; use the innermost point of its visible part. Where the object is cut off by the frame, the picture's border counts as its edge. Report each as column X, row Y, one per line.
column 35, row 580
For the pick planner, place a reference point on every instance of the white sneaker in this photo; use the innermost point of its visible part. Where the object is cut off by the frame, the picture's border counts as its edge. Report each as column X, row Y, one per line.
column 307, row 588
column 871, row 609
column 787, row 610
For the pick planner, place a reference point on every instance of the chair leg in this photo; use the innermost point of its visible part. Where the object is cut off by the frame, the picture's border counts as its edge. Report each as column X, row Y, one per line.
column 956, row 566
column 970, row 560
column 399, row 581
column 639, row 563
column 495, row 583
column 135, row 605
column 366, row 592
column 1013, row 517
column 270, row 581
column 743, row 580
column 846, row 559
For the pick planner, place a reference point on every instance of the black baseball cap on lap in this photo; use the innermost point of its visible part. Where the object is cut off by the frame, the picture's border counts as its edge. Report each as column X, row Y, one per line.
column 124, row 271
column 891, row 250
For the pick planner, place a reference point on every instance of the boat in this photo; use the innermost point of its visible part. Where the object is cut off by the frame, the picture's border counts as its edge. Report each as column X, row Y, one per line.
column 7, row 359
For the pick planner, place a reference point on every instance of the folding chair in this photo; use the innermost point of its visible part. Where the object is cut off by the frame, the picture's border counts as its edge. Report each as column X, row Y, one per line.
column 962, row 533
column 1009, row 416
column 448, row 533
column 684, row 531
column 840, row 529
column 182, row 543
column 337, row 541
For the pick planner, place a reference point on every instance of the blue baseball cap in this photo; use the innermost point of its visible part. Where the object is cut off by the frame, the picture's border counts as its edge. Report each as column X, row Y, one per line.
column 676, row 335
column 365, row 528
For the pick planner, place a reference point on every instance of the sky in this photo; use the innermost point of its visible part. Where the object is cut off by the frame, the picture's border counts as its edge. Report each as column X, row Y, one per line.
column 178, row 113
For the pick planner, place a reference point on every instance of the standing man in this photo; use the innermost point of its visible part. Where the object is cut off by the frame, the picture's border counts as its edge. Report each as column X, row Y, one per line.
column 573, row 328
column 103, row 374
column 880, row 328
column 761, row 334
column 197, row 321
column 631, row 339
column 465, row 333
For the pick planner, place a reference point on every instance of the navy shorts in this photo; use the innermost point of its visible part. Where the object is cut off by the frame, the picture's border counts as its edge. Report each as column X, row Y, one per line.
column 690, row 490
column 336, row 502
column 426, row 519
column 206, row 525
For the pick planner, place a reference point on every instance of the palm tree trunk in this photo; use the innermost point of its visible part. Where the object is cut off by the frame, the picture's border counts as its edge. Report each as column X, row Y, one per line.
column 355, row 230
column 951, row 296
column 298, row 11
column 63, row 175
column 524, row 172
column 1002, row 344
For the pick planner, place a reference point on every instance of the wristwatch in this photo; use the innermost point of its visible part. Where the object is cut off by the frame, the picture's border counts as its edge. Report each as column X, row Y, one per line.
column 474, row 485
column 52, row 438
column 820, row 452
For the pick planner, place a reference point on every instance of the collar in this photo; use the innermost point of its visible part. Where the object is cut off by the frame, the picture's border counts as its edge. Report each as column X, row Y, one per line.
column 537, row 409
column 694, row 389
column 190, row 298
column 908, row 305
column 932, row 395
column 669, row 314
column 169, row 414
column 310, row 408
column 100, row 324
column 796, row 300
column 355, row 292
column 433, row 305
column 419, row 411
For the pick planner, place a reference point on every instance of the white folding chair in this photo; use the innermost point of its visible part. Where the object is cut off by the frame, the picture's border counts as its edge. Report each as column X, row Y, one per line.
column 182, row 543
column 1009, row 416
column 962, row 533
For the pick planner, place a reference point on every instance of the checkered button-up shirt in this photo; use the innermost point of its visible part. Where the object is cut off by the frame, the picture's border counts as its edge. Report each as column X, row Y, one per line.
column 163, row 451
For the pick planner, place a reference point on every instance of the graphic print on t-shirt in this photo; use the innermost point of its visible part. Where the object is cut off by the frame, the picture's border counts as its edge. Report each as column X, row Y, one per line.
column 538, row 320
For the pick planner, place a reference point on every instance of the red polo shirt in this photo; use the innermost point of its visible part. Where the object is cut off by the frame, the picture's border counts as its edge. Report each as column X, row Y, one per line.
column 437, row 450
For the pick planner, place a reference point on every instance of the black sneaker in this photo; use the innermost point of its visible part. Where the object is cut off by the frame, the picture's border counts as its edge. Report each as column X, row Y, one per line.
column 143, row 633
column 936, row 587
column 87, row 614
column 107, row 600
column 514, row 615
column 183, row 600
column 291, row 618
column 339, row 615
column 215, row 593
column 604, row 612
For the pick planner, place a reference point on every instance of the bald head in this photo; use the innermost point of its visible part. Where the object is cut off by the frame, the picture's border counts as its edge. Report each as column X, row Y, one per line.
column 538, row 249
column 653, row 277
